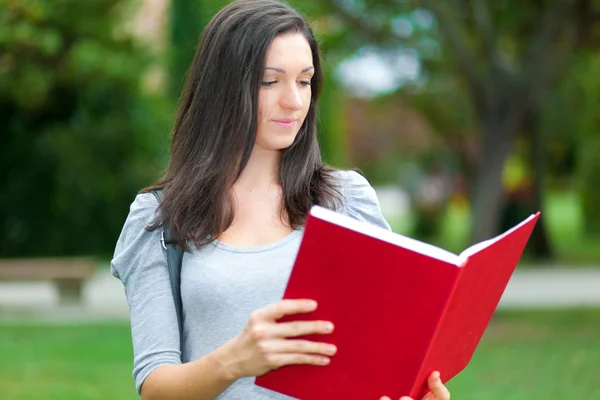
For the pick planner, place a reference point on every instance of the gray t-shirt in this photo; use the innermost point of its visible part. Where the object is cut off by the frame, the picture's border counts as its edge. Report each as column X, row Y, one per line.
column 220, row 286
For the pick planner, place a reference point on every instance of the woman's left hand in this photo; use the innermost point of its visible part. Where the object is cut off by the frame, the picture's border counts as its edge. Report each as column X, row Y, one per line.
column 438, row 390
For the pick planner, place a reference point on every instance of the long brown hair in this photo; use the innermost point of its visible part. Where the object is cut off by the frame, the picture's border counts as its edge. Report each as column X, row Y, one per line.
column 216, row 125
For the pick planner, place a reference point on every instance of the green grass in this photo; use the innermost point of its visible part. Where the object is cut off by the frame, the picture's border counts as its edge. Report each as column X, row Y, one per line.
column 535, row 355
column 52, row 362
column 549, row 355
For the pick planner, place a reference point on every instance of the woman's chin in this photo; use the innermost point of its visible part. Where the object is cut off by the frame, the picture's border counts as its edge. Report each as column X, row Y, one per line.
column 280, row 142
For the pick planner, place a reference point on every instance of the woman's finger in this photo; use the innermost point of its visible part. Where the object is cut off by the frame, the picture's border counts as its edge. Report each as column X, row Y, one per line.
column 278, row 360
column 437, row 387
column 297, row 346
column 282, row 308
column 301, row 328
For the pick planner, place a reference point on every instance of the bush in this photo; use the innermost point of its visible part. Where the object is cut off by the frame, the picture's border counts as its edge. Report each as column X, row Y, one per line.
column 80, row 132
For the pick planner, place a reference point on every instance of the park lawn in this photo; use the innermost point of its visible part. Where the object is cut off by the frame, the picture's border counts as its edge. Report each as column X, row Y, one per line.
column 65, row 362
column 525, row 355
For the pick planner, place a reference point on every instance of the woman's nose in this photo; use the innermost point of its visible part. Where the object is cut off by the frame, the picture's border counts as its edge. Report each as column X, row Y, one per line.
column 292, row 99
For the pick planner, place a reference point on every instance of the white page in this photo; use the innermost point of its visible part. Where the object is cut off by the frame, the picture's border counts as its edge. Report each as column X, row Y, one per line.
column 482, row 245
column 385, row 235
column 404, row 241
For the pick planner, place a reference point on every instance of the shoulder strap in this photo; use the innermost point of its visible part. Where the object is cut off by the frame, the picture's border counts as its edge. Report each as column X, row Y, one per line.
column 174, row 260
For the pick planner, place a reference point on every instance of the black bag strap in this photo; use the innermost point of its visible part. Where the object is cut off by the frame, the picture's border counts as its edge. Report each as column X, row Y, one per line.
column 174, row 260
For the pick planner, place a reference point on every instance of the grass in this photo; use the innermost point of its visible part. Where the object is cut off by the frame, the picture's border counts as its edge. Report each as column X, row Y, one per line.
column 535, row 355
column 47, row 362
column 549, row 355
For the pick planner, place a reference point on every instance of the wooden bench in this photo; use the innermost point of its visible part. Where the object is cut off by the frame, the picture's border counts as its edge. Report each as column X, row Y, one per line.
column 68, row 274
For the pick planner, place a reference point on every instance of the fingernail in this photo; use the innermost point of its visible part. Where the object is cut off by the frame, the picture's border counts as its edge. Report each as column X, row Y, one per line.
column 331, row 349
column 324, row 360
column 329, row 327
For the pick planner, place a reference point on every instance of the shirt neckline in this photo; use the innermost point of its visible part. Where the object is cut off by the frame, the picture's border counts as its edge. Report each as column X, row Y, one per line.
column 257, row 249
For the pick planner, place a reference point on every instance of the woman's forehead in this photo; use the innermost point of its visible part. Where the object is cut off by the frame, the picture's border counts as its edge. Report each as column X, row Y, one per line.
column 290, row 51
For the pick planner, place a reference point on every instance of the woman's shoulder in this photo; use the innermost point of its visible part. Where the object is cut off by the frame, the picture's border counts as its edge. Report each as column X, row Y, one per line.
column 350, row 178
column 144, row 201
column 142, row 212
column 135, row 240
column 354, row 186
column 359, row 198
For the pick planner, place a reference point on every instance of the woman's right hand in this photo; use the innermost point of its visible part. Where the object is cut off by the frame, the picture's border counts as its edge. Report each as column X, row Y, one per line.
column 265, row 344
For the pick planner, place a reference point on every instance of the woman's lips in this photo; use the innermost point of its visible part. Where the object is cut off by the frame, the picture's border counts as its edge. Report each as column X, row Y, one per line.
column 286, row 122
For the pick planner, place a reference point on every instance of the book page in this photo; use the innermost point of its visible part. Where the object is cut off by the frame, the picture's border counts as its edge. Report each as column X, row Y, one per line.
column 385, row 235
column 486, row 243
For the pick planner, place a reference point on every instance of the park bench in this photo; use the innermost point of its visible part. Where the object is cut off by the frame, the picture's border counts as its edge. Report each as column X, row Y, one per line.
column 68, row 274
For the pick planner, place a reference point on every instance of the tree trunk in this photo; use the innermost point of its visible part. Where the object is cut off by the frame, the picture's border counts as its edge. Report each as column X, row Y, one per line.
column 487, row 196
column 527, row 197
column 590, row 185
column 541, row 248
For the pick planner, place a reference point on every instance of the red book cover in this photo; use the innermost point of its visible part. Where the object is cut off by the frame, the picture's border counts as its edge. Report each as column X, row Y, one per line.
column 401, row 308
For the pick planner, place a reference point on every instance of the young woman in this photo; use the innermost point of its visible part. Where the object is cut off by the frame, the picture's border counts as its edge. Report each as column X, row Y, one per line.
column 244, row 170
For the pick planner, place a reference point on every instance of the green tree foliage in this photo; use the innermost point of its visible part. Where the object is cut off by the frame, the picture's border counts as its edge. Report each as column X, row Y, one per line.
column 506, row 54
column 80, row 134
column 332, row 130
column 332, row 121
column 573, row 122
column 587, row 117
column 187, row 19
column 185, row 27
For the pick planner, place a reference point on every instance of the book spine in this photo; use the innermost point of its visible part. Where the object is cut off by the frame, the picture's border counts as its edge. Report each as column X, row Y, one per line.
column 420, row 388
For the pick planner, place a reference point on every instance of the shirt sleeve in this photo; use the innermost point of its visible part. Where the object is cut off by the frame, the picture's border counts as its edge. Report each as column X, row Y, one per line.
column 141, row 264
column 360, row 200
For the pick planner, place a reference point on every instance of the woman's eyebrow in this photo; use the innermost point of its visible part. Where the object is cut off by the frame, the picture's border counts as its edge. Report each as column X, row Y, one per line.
column 281, row 70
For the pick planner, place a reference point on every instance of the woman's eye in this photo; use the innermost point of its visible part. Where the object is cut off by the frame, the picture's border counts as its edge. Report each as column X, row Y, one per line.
column 268, row 83
column 305, row 83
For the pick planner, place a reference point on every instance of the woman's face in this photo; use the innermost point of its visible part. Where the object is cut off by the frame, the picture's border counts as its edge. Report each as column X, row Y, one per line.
column 285, row 93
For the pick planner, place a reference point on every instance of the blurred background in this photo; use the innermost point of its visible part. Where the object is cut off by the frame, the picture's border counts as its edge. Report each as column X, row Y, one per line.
column 466, row 116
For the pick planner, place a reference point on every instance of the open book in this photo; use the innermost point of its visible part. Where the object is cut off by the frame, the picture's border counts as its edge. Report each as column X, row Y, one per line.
column 401, row 308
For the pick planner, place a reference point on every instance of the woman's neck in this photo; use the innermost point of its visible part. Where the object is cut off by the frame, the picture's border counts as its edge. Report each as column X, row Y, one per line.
column 261, row 171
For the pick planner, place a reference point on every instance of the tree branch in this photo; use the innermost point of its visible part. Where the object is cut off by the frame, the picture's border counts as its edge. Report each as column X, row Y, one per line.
column 485, row 26
column 454, row 33
column 543, row 56
column 458, row 3
column 498, row 77
column 375, row 34
column 461, row 6
column 543, row 62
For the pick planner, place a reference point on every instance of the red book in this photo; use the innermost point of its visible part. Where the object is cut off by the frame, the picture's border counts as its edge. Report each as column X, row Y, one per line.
column 401, row 308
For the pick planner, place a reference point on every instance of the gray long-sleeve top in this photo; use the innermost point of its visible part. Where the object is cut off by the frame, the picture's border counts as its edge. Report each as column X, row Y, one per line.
column 220, row 286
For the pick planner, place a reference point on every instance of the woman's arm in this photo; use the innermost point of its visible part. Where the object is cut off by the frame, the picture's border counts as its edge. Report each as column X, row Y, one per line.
column 205, row 378
column 263, row 345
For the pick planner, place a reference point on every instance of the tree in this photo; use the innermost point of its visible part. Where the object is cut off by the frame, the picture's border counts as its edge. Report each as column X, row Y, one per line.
column 579, row 102
column 504, row 82
column 80, row 133
column 506, row 54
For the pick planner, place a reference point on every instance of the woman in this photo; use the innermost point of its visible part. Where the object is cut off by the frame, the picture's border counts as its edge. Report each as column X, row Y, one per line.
column 244, row 170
